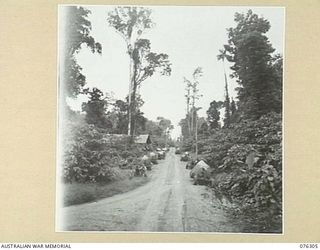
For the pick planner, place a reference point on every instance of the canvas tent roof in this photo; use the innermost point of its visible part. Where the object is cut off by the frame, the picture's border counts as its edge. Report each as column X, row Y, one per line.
column 142, row 139
column 200, row 166
column 114, row 137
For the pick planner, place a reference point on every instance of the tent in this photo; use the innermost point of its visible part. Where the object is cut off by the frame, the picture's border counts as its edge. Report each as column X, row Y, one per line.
column 142, row 139
column 200, row 168
column 139, row 139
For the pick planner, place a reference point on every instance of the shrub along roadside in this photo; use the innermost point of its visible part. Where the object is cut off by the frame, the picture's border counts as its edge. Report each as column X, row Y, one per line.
column 255, row 186
column 96, row 164
column 78, row 193
column 91, row 156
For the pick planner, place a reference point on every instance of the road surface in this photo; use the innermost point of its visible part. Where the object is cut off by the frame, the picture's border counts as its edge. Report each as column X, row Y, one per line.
column 168, row 203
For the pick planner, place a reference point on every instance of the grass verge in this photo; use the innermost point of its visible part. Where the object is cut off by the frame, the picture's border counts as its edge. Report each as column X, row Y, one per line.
column 78, row 193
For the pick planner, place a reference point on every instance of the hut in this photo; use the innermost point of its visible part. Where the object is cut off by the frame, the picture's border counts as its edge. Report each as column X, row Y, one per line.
column 144, row 140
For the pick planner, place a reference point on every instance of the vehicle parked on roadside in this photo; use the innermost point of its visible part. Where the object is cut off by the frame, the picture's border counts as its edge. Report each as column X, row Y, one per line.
column 161, row 155
column 146, row 161
column 165, row 149
column 153, row 157
column 178, row 151
column 185, row 156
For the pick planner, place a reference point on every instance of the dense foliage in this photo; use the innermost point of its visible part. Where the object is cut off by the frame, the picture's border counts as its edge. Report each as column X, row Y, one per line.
column 94, row 151
column 95, row 109
column 246, row 161
column 213, row 114
column 250, row 52
column 245, row 152
column 77, row 29
column 93, row 156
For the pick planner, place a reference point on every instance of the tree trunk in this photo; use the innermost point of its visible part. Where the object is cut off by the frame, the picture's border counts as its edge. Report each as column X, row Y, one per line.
column 196, row 136
column 133, row 110
column 133, row 99
column 192, row 117
column 224, row 71
column 188, row 116
column 130, row 93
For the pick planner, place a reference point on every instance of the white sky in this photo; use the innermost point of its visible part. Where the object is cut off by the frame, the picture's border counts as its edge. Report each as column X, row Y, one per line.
column 191, row 36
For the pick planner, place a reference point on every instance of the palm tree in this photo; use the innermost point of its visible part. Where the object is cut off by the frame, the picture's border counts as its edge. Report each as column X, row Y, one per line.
column 222, row 56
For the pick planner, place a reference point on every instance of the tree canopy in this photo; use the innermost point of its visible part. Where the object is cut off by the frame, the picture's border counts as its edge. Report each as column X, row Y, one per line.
column 250, row 52
column 130, row 23
column 213, row 114
column 95, row 109
column 77, row 33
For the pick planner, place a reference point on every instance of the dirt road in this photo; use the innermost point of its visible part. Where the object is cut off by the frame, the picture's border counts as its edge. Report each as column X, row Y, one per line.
column 168, row 203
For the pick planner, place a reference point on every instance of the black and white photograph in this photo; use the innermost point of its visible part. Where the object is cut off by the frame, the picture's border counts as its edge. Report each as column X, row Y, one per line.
column 170, row 119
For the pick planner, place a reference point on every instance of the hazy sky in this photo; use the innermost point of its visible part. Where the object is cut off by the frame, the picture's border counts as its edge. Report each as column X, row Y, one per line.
column 191, row 36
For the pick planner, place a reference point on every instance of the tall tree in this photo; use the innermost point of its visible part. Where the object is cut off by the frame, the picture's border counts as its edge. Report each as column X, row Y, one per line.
column 77, row 30
column 213, row 114
column 192, row 96
column 153, row 128
column 159, row 130
column 195, row 96
column 185, row 127
column 227, row 108
column 196, row 119
column 250, row 52
column 203, row 127
column 95, row 110
column 188, row 98
column 164, row 123
column 227, row 114
column 139, row 121
column 130, row 23
column 233, row 111
column 166, row 127
column 233, row 107
column 120, row 109
column 146, row 63
column 277, row 70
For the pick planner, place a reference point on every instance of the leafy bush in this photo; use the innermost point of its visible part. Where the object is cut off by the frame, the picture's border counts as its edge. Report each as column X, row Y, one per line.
column 93, row 156
column 255, row 187
column 187, row 145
